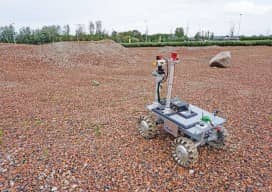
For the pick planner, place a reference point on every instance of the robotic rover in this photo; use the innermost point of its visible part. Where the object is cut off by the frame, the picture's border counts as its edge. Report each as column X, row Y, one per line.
column 190, row 125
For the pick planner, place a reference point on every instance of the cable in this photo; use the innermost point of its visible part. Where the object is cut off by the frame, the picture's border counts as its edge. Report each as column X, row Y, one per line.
column 167, row 71
column 158, row 92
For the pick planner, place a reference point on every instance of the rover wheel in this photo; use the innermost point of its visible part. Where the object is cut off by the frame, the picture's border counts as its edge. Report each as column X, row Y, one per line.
column 184, row 151
column 147, row 127
column 220, row 142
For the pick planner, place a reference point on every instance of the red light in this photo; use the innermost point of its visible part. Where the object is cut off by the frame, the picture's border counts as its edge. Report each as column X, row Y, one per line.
column 174, row 56
column 159, row 57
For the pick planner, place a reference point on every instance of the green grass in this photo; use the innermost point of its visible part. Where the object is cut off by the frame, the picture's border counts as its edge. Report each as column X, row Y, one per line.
column 96, row 127
column 200, row 43
column 45, row 153
column 1, row 135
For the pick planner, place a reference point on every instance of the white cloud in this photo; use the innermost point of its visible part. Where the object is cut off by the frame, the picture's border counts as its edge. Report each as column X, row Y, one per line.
column 247, row 7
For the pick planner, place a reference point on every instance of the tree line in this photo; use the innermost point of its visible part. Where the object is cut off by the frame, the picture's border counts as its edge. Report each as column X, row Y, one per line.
column 94, row 32
column 52, row 33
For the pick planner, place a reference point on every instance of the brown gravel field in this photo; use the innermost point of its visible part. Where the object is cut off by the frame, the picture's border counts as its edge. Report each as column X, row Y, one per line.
column 68, row 115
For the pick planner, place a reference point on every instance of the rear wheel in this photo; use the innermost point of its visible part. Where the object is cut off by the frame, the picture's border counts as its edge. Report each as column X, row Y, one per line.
column 147, row 127
column 222, row 135
column 184, row 151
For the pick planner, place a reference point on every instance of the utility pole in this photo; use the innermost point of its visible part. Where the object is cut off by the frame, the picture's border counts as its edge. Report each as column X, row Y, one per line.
column 77, row 32
column 14, row 33
column 187, row 30
column 239, row 27
column 146, row 30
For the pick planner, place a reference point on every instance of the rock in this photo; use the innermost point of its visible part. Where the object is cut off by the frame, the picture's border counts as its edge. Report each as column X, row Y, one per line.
column 95, row 83
column 54, row 189
column 222, row 59
column 191, row 171
column 249, row 189
column 66, row 182
column 3, row 170
column 11, row 183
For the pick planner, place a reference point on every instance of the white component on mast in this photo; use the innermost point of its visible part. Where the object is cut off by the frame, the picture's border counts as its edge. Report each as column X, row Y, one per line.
column 173, row 61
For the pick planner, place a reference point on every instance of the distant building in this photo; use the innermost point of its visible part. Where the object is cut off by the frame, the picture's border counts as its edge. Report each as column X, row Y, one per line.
column 226, row 37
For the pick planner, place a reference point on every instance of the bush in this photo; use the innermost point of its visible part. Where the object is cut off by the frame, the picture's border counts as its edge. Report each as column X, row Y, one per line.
column 200, row 43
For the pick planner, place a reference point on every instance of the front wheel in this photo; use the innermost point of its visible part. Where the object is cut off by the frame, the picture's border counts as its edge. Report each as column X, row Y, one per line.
column 147, row 127
column 184, row 151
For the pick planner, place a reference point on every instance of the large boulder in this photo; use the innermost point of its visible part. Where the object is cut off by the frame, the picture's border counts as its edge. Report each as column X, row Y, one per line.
column 222, row 59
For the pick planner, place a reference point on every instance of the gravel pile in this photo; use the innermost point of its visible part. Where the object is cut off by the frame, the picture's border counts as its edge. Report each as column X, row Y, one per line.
column 72, row 54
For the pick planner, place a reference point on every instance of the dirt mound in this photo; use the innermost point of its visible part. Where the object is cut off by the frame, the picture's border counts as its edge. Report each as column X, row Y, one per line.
column 70, row 54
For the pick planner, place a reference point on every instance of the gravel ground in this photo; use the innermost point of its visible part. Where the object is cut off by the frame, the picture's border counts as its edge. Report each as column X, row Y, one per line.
column 70, row 126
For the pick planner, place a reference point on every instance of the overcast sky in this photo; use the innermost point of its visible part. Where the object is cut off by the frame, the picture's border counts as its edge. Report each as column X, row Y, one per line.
column 161, row 16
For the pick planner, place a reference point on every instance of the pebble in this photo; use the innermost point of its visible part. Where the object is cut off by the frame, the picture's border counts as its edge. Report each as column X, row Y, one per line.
column 95, row 83
column 11, row 183
column 3, row 170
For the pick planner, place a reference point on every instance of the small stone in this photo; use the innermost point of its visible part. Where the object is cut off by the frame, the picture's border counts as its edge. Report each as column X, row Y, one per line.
column 95, row 83
column 3, row 170
column 191, row 171
column 259, row 184
column 66, row 182
column 249, row 189
column 54, row 189
column 106, row 187
column 11, row 183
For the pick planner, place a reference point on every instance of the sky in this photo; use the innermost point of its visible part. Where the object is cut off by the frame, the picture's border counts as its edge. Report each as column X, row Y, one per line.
column 154, row 16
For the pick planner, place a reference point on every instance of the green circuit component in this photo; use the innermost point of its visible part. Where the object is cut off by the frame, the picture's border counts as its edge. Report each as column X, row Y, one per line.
column 206, row 119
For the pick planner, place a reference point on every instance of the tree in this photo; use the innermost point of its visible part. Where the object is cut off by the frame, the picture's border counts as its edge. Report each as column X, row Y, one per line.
column 7, row 34
column 91, row 28
column 98, row 27
column 133, row 36
column 66, row 30
column 25, row 35
column 114, row 35
column 50, row 33
column 212, row 36
column 66, row 33
column 179, row 32
column 80, row 32
column 136, row 34
column 198, row 36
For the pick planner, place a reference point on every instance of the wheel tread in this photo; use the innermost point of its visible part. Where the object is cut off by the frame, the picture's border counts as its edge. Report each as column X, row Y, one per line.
column 191, row 149
column 152, row 129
